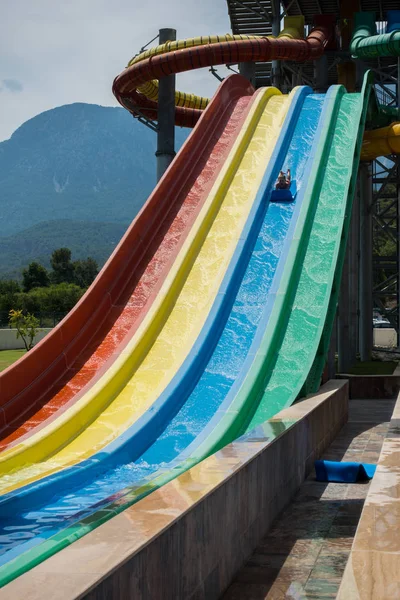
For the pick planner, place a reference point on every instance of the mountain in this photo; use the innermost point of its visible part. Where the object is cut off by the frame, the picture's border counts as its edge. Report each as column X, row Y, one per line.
column 80, row 162
column 84, row 239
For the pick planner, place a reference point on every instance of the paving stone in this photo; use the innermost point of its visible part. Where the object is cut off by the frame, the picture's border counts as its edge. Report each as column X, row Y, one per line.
column 304, row 554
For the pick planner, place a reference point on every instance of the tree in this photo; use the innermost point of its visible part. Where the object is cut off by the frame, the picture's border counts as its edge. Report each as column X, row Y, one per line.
column 63, row 269
column 9, row 286
column 27, row 327
column 85, row 272
column 59, row 298
column 35, row 276
column 9, row 291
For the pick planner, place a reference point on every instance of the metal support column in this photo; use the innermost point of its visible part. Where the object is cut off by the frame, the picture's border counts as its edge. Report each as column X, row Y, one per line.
column 398, row 84
column 360, row 72
column 332, row 352
column 166, row 114
column 398, row 215
column 366, row 307
column 321, row 74
column 344, row 360
column 354, row 279
column 248, row 70
column 276, row 27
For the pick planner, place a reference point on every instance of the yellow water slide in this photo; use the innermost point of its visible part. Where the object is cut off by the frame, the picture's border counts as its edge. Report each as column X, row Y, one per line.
column 381, row 142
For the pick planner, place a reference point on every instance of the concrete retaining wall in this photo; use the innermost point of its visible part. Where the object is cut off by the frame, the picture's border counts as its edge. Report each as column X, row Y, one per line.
column 372, row 386
column 9, row 341
column 189, row 538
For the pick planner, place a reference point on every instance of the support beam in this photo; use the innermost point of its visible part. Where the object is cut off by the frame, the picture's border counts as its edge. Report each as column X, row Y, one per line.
column 248, row 70
column 398, row 84
column 366, row 306
column 321, row 74
column 276, row 27
column 354, row 279
column 360, row 72
column 332, row 352
column 344, row 360
column 166, row 114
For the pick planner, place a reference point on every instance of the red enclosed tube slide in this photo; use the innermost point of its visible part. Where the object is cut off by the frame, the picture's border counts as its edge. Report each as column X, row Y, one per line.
column 76, row 352
column 250, row 50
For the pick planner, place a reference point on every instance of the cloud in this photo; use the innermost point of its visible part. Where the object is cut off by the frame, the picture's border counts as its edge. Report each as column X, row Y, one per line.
column 66, row 52
column 12, row 85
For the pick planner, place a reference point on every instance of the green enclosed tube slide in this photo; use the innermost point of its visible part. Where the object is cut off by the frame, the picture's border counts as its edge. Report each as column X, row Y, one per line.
column 367, row 44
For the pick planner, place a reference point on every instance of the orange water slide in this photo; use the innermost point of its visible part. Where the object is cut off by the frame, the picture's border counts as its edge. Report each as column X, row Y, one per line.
column 62, row 367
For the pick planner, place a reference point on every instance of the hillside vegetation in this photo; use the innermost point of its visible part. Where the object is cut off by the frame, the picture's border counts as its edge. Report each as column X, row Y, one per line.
column 73, row 176
column 37, row 243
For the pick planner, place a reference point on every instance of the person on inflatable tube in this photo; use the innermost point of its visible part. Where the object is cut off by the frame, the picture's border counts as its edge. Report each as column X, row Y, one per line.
column 284, row 181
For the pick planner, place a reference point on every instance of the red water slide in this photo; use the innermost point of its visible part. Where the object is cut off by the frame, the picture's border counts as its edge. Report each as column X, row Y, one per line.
column 74, row 354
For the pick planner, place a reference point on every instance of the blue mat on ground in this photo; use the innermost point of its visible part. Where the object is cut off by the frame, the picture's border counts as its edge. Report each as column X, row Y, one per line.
column 343, row 472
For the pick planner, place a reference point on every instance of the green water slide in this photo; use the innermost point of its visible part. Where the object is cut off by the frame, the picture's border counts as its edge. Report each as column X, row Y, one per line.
column 297, row 349
column 367, row 44
column 293, row 350
column 292, row 354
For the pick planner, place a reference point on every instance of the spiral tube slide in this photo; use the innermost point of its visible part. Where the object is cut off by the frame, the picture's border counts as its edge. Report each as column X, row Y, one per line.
column 127, row 85
column 293, row 29
column 76, row 353
column 381, row 142
column 169, row 329
column 366, row 44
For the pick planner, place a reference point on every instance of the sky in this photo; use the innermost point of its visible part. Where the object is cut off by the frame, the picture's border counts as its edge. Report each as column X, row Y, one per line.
column 54, row 53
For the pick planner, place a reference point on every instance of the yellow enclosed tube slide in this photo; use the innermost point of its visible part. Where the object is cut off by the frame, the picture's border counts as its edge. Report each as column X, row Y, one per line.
column 167, row 333
column 293, row 29
column 381, row 142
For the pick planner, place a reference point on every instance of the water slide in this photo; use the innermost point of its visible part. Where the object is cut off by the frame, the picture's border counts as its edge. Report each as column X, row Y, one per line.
column 251, row 152
column 69, row 362
column 381, row 142
column 366, row 43
column 268, row 308
column 72, row 375
column 79, row 350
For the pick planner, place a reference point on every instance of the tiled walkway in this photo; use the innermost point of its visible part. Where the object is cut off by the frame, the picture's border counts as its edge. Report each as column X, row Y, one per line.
column 305, row 553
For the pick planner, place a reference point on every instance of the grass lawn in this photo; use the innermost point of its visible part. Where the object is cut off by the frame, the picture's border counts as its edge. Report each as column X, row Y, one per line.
column 373, row 367
column 8, row 357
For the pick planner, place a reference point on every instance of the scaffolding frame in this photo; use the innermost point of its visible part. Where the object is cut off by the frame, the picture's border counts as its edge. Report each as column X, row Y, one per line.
column 246, row 18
